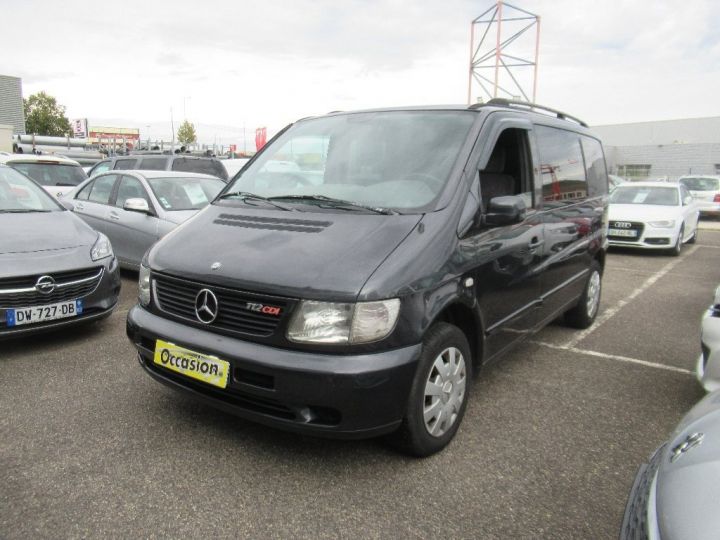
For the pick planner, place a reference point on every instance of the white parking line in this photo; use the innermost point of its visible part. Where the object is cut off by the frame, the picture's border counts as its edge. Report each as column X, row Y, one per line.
column 614, row 357
column 611, row 312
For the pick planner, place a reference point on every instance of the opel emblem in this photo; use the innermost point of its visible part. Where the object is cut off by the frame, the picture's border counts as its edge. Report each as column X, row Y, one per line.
column 215, row 265
column 45, row 285
column 206, row 306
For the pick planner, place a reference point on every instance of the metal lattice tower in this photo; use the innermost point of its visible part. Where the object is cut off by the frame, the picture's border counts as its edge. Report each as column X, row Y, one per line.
column 503, row 29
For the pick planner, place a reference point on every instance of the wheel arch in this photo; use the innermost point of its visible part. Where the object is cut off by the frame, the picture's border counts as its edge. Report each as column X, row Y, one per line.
column 469, row 321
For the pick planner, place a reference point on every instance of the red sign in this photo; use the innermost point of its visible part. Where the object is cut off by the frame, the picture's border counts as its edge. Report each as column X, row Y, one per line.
column 260, row 138
column 233, row 148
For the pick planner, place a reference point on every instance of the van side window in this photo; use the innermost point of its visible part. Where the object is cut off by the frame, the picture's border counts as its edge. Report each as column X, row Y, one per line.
column 594, row 166
column 154, row 163
column 561, row 166
column 508, row 170
column 125, row 164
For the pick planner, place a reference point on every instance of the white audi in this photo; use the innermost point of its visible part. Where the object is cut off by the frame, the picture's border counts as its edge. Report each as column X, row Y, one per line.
column 652, row 215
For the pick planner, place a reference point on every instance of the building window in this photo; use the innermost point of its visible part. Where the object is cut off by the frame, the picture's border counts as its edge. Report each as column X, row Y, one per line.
column 717, row 168
column 634, row 171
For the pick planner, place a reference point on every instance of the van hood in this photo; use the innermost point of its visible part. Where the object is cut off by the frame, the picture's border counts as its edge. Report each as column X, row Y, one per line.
column 316, row 255
column 43, row 231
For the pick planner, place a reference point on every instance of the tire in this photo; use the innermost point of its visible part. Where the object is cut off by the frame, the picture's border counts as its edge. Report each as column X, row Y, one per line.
column 583, row 314
column 677, row 249
column 423, row 438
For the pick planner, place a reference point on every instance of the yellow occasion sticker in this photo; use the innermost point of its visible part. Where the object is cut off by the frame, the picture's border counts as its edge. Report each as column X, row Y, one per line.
column 202, row 367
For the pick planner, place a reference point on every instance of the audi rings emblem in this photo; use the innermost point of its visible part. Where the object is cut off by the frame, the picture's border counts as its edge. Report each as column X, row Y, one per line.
column 623, row 225
column 206, row 306
column 45, row 285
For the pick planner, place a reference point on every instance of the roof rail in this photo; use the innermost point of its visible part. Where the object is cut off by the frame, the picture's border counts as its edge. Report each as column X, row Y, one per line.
column 502, row 102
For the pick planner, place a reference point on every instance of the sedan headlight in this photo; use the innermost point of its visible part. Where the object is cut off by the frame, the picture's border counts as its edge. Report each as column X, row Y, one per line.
column 666, row 224
column 331, row 322
column 144, row 286
column 102, row 248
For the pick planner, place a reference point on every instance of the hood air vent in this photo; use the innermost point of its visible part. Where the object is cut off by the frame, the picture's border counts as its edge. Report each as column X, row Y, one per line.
column 272, row 224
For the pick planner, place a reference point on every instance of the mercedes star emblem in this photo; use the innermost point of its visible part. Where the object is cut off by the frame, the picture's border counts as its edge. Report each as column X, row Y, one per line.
column 45, row 284
column 206, row 306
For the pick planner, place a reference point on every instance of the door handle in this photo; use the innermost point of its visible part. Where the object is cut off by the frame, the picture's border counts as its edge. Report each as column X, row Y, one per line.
column 114, row 216
column 535, row 243
column 79, row 206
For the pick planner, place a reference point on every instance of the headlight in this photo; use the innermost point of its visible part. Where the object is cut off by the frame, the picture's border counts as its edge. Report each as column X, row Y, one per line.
column 667, row 224
column 144, row 286
column 102, row 248
column 330, row 322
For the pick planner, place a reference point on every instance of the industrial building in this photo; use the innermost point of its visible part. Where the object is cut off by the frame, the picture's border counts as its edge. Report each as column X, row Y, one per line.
column 665, row 148
column 11, row 103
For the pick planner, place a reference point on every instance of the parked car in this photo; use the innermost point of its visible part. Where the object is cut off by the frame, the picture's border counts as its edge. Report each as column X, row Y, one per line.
column 356, row 297
column 675, row 494
column 162, row 162
column 136, row 208
column 706, row 190
column 708, row 363
column 58, row 175
column 652, row 215
column 54, row 269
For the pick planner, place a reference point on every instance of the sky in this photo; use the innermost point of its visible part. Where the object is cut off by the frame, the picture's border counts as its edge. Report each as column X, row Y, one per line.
column 232, row 66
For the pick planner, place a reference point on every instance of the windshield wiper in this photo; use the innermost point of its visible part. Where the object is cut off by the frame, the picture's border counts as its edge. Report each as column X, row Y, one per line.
column 21, row 210
column 247, row 196
column 337, row 203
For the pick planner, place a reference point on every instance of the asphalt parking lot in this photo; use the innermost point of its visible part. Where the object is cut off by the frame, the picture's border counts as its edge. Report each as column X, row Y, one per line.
column 90, row 446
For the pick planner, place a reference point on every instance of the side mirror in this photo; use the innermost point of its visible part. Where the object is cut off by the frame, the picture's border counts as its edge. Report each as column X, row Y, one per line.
column 137, row 205
column 505, row 210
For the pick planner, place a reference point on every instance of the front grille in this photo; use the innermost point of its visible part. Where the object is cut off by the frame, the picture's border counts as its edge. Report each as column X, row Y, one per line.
column 17, row 292
column 634, row 226
column 176, row 297
column 635, row 525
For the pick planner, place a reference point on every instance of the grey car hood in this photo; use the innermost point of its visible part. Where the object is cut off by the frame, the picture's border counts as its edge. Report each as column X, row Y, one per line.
column 688, row 488
column 43, row 231
column 179, row 216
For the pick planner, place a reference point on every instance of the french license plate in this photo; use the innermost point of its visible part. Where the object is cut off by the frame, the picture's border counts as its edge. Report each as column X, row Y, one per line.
column 622, row 232
column 202, row 367
column 38, row 314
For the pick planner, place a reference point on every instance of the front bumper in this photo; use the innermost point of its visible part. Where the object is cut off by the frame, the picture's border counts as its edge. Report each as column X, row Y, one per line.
column 707, row 369
column 97, row 305
column 651, row 238
column 342, row 396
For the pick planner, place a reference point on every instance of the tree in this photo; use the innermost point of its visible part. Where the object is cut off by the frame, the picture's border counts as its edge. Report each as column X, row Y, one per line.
column 44, row 116
column 186, row 133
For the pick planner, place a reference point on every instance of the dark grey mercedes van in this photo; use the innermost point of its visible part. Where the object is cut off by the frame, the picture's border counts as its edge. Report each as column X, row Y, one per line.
column 352, row 278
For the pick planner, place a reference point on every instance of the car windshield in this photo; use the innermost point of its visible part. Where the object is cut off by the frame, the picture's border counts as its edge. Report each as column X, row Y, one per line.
column 52, row 174
column 701, row 184
column 398, row 160
column 212, row 167
column 20, row 194
column 662, row 196
column 185, row 193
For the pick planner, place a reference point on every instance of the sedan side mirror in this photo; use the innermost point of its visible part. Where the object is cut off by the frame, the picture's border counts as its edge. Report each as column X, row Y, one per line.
column 137, row 205
column 505, row 210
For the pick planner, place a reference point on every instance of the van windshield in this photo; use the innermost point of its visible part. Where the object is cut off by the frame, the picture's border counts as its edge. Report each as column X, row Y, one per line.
column 397, row 159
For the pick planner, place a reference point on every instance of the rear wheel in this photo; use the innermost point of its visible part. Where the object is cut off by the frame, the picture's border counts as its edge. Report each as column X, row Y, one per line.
column 585, row 311
column 439, row 393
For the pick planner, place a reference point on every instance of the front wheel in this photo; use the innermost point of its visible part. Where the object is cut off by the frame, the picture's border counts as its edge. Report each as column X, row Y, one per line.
column 439, row 393
column 585, row 311
column 677, row 249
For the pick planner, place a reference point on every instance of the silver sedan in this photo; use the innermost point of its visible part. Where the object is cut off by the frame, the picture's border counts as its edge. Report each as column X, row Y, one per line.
column 137, row 208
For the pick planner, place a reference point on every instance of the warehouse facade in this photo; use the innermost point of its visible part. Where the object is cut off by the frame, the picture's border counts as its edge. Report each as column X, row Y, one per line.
column 666, row 148
column 11, row 103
